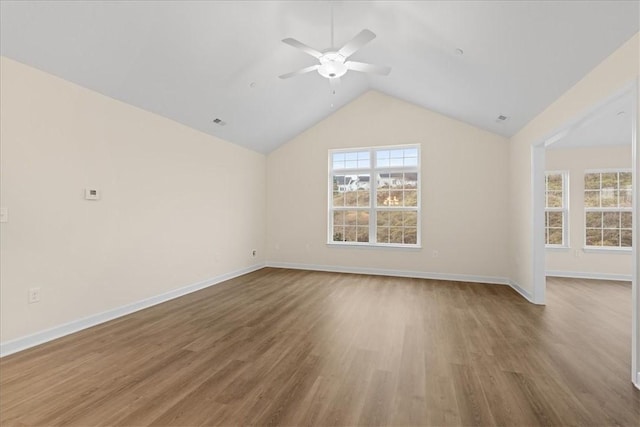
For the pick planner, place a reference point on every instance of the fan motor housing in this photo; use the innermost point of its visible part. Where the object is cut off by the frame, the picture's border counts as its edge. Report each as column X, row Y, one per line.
column 332, row 65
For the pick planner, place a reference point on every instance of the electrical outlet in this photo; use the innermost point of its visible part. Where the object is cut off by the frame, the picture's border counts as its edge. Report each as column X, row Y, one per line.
column 34, row 295
column 91, row 194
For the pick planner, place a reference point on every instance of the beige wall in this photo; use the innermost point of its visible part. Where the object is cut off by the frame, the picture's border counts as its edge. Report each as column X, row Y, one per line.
column 615, row 72
column 178, row 206
column 464, row 192
column 575, row 261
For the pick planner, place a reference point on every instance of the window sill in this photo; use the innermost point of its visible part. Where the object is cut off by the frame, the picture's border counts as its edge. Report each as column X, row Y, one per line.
column 557, row 248
column 604, row 249
column 375, row 246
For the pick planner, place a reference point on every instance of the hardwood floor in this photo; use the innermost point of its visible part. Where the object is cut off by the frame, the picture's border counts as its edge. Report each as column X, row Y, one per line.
column 285, row 347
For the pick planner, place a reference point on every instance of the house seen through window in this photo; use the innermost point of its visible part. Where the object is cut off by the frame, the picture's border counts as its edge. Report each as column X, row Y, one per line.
column 374, row 196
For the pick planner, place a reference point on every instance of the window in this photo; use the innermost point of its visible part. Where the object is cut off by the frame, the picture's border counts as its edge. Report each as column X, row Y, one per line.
column 374, row 196
column 555, row 209
column 608, row 209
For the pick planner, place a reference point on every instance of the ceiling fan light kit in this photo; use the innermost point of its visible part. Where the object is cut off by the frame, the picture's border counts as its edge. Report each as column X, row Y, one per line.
column 332, row 65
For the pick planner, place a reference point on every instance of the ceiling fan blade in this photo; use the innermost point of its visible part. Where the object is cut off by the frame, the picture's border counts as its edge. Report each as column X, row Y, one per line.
column 303, row 71
column 368, row 68
column 303, row 47
column 363, row 37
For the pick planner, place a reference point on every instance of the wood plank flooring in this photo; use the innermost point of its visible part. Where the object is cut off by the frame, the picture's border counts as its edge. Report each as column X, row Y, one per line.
column 285, row 347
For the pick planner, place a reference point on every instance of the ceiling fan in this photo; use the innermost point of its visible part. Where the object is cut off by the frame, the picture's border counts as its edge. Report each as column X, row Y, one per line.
column 333, row 62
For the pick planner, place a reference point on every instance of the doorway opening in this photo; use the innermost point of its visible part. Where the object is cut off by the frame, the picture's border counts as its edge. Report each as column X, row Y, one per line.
column 577, row 173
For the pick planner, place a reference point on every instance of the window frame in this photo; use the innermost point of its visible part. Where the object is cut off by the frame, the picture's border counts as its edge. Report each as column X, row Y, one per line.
column 564, row 209
column 601, row 248
column 373, row 208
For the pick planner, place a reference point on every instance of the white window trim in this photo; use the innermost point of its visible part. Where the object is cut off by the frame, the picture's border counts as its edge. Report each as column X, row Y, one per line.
column 565, row 209
column 605, row 249
column 608, row 249
column 372, row 170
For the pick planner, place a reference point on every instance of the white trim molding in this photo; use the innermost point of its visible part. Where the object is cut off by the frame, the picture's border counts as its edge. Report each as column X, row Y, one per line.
column 589, row 275
column 490, row 280
column 635, row 293
column 523, row 292
column 23, row 343
column 538, row 259
column 608, row 250
column 397, row 273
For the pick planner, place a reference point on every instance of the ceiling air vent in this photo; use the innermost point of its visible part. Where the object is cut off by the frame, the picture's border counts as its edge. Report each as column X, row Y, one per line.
column 219, row 121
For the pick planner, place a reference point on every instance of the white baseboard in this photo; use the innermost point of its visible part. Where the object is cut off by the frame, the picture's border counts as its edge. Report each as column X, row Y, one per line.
column 23, row 343
column 588, row 275
column 397, row 273
column 404, row 273
column 519, row 289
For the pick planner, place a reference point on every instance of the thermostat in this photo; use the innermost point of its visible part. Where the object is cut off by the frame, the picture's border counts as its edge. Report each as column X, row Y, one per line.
column 91, row 194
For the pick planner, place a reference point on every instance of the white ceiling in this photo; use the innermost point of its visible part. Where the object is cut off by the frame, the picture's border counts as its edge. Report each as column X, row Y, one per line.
column 610, row 124
column 194, row 61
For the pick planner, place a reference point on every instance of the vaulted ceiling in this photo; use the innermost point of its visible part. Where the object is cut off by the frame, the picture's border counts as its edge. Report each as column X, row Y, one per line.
column 607, row 125
column 194, row 61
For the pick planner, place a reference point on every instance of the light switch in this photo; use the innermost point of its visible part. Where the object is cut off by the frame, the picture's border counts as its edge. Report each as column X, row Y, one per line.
column 4, row 215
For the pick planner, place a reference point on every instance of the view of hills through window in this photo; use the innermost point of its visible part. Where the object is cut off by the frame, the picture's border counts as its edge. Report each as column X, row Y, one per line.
column 375, row 196
column 555, row 212
column 608, row 209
